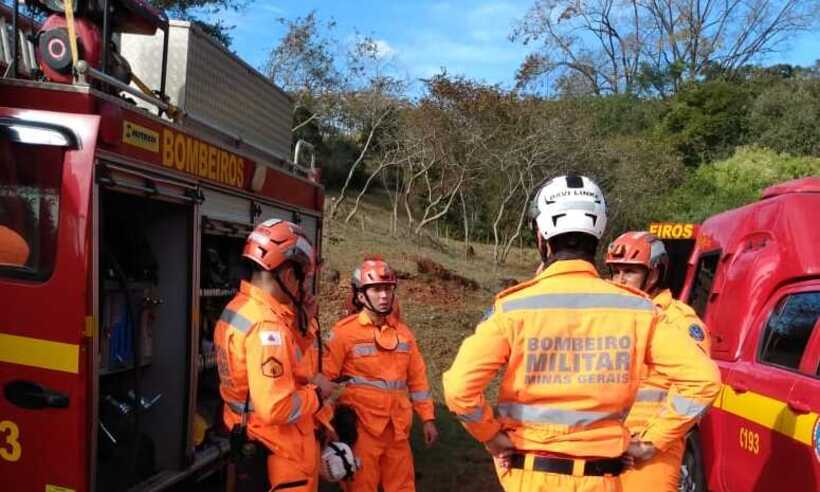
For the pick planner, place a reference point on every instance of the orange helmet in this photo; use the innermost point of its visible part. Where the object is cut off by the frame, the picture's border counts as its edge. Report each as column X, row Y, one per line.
column 638, row 248
column 277, row 241
column 14, row 250
column 373, row 271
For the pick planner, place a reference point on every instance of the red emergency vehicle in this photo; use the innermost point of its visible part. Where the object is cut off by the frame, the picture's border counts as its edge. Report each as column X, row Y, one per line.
column 754, row 278
column 123, row 211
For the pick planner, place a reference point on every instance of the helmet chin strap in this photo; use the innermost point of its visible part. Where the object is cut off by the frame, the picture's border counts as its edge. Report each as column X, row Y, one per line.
column 645, row 284
column 543, row 249
column 301, row 317
column 369, row 305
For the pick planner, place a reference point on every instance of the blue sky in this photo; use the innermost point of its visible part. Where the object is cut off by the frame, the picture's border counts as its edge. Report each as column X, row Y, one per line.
column 467, row 37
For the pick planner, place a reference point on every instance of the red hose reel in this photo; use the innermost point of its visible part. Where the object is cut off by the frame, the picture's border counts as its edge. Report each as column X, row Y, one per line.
column 54, row 50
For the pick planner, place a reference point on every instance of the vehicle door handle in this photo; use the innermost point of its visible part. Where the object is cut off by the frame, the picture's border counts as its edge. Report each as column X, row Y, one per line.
column 33, row 396
column 739, row 387
column 799, row 407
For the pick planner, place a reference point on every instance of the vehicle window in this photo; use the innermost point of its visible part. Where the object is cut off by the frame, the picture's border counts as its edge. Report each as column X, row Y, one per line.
column 30, row 178
column 789, row 329
column 702, row 286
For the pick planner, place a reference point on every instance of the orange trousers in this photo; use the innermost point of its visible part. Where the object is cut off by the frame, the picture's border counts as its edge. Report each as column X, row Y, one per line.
column 385, row 461
column 518, row 480
column 292, row 476
column 660, row 474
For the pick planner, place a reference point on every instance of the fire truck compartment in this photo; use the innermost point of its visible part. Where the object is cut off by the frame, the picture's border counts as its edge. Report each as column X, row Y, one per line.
column 145, row 294
column 221, row 272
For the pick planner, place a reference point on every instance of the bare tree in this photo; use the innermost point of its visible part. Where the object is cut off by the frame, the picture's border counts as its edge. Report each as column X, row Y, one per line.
column 375, row 108
column 341, row 87
column 465, row 218
column 393, row 156
column 597, row 40
column 304, row 64
column 694, row 36
column 615, row 46
column 440, row 195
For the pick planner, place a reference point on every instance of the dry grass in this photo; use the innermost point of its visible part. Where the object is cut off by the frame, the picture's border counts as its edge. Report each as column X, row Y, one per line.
column 442, row 314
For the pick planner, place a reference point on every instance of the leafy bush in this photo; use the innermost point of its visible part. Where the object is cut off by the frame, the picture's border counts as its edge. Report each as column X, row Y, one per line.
column 733, row 182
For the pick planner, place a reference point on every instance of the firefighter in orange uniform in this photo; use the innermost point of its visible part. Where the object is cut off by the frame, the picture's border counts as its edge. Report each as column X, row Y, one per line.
column 266, row 342
column 386, row 379
column 574, row 346
column 639, row 260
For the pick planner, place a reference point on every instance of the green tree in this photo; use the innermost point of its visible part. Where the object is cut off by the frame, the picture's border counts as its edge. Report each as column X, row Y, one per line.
column 786, row 117
column 706, row 121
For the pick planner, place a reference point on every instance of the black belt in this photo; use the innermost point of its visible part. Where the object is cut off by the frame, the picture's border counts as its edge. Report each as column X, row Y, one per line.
column 564, row 466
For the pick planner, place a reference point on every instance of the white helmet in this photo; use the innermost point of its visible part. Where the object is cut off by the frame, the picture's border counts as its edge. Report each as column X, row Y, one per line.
column 338, row 462
column 569, row 204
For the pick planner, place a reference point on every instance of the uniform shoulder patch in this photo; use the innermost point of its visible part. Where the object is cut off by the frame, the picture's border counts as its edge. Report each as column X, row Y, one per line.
column 272, row 368
column 270, row 338
column 696, row 332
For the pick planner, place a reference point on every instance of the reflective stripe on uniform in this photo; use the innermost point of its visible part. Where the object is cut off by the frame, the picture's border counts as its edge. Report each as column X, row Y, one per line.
column 545, row 415
column 239, row 406
column 296, row 407
column 578, row 301
column 651, row 395
column 363, row 349
column 378, row 383
column 420, row 395
column 236, row 320
column 474, row 416
column 403, row 347
column 687, row 407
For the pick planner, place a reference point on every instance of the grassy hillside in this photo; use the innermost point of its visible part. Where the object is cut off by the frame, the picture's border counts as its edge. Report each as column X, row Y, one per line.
column 441, row 312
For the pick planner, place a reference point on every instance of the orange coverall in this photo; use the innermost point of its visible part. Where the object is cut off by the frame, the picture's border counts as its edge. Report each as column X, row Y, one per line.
column 574, row 346
column 383, row 389
column 662, row 473
column 259, row 349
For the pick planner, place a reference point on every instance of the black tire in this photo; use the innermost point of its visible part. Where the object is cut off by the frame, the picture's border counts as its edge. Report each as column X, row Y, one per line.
column 692, row 473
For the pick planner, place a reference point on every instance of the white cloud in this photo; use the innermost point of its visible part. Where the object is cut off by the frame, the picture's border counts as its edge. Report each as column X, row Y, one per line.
column 384, row 49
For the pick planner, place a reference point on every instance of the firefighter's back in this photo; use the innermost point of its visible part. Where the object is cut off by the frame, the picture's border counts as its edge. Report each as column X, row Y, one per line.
column 577, row 344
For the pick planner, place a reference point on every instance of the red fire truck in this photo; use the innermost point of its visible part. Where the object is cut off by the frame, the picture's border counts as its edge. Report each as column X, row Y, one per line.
column 127, row 185
column 754, row 277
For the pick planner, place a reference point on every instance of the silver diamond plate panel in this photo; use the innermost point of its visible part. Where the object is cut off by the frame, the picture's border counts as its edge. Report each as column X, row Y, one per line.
column 214, row 86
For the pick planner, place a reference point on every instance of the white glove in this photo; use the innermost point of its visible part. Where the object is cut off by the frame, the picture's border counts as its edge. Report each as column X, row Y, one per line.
column 338, row 462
